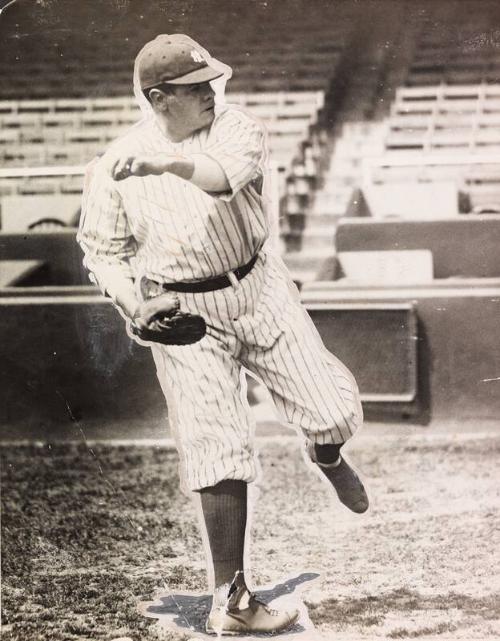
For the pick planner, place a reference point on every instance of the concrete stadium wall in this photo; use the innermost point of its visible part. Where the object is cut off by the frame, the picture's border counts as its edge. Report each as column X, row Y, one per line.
column 465, row 246
column 68, row 368
column 458, row 347
column 67, row 364
column 59, row 250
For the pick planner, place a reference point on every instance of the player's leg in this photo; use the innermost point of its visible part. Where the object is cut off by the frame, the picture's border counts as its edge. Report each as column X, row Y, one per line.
column 213, row 432
column 314, row 392
column 224, row 510
column 311, row 388
column 311, row 391
column 213, row 428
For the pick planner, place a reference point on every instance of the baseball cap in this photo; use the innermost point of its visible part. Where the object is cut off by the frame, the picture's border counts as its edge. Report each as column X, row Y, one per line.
column 175, row 59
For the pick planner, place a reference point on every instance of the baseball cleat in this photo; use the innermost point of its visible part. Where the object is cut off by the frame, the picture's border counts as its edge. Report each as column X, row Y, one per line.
column 346, row 482
column 244, row 613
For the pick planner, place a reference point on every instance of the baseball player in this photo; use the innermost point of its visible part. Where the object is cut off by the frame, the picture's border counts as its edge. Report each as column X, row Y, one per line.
column 174, row 224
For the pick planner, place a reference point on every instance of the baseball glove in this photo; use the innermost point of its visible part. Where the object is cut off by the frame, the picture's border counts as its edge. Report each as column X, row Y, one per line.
column 160, row 320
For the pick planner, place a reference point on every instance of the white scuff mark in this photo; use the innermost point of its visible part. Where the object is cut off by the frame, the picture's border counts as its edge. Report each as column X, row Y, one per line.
column 489, row 380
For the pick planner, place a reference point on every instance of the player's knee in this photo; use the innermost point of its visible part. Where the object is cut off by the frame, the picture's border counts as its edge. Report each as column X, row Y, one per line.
column 351, row 420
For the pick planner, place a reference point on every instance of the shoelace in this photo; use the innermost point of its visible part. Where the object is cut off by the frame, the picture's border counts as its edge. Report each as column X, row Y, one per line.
column 270, row 611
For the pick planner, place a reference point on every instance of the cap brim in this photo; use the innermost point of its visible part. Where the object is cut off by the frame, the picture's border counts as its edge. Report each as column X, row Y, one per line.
column 205, row 74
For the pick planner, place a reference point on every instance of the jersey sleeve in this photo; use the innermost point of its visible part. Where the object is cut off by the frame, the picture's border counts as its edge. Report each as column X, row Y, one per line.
column 237, row 143
column 104, row 233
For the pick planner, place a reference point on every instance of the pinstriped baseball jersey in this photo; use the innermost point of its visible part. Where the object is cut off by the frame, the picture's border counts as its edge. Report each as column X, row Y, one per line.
column 169, row 230
column 165, row 227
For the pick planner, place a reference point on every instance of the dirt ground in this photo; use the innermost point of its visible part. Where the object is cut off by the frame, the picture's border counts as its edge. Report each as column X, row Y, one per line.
column 88, row 531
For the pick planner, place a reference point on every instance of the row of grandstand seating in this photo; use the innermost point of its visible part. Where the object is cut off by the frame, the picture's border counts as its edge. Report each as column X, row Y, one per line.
column 439, row 143
column 422, row 119
column 290, row 63
column 421, row 136
column 275, row 105
column 71, row 132
column 441, row 117
column 443, row 136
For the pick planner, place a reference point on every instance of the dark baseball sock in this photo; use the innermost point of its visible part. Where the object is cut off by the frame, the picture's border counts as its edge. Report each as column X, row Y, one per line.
column 225, row 512
column 327, row 453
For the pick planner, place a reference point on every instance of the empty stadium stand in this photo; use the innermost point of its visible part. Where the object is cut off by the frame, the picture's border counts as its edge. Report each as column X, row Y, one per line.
column 383, row 121
column 434, row 136
column 72, row 131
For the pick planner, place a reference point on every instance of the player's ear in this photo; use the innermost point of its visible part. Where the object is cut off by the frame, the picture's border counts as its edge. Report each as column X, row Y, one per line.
column 159, row 99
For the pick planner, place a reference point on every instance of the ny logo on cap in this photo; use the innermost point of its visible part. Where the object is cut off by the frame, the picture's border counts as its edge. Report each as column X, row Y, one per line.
column 196, row 56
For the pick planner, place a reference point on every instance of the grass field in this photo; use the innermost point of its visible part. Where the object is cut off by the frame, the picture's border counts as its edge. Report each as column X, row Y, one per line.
column 89, row 532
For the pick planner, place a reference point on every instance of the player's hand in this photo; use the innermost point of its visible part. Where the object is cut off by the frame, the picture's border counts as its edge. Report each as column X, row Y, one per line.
column 152, row 310
column 138, row 165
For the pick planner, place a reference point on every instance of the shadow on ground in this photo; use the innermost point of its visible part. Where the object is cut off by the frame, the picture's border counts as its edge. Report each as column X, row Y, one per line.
column 186, row 611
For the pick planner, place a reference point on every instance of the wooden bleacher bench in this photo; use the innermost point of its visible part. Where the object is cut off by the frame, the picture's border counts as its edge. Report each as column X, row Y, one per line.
column 288, row 127
column 405, row 140
column 127, row 118
column 70, row 105
column 9, row 136
column 442, row 120
column 440, row 91
column 451, row 138
column 487, row 136
column 37, row 186
column 488, row 119
column 8, row 107
column 85, row 135
column 112, row 104
column 60, row 119
column 23, row 154
column 98, row 119
column 32, row 107
column 72, row 153
column 10, row 120
column 43, row 136
column 71, row 185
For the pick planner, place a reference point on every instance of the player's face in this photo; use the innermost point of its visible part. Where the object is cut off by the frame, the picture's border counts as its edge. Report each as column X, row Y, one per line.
column 191, row 107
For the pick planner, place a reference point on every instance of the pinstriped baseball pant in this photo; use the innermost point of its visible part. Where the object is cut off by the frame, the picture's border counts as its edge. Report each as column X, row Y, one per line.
column 260, row 325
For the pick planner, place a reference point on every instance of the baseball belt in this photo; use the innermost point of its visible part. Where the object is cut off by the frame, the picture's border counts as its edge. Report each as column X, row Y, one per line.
column 211, row 284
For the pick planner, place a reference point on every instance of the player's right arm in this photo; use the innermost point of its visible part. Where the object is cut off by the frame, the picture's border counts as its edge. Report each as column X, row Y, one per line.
column 233, row 157
column 106, row 239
